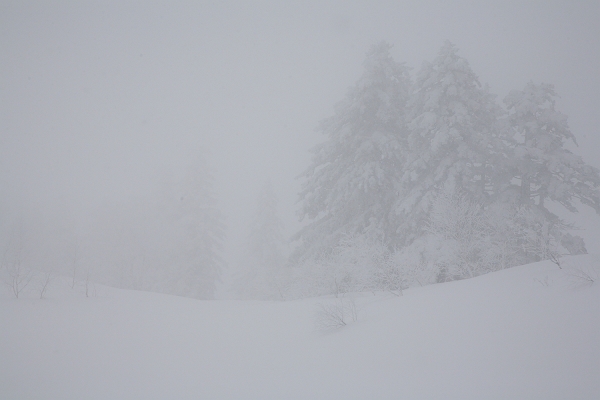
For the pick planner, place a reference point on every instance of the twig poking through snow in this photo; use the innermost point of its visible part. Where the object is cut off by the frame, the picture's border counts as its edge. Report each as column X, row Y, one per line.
column 337, row 314
column 581, row 276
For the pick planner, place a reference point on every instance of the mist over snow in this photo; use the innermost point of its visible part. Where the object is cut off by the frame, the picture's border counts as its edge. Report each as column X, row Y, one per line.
column 340, row 166
column 100, row 99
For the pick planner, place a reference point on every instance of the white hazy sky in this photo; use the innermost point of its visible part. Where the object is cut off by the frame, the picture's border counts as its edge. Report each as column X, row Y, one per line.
column 96, row 97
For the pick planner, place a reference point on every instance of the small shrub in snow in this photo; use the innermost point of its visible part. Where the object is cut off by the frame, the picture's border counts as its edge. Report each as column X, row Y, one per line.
column 583, row 276
column 337, row 314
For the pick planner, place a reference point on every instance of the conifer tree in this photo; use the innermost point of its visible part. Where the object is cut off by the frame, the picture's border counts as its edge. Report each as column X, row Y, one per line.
column 351, row 184
column 453, row 140
column 541, row 169
column 546, row 170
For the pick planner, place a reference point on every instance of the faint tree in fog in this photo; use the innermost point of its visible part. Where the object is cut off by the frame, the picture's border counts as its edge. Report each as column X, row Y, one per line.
column 351, row 184
column 44, row 282
column 167, row 241
column 13, row 260
column 19, row 275
column 264, row 270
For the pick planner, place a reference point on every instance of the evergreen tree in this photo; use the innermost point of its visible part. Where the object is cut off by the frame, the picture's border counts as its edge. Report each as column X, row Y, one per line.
column 545, row 169
column 541, row 169
column 453, row 140
column 264, row 276
column 351, row 184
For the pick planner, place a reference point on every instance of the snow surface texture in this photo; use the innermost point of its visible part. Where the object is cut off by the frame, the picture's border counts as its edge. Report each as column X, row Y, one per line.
column 529, row 332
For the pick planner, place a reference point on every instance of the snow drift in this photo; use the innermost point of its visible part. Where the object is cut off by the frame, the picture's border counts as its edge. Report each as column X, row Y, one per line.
column 529, row 332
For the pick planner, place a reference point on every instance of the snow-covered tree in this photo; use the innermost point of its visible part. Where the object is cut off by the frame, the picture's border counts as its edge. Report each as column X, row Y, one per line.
column 542, row 169
column 168, row 240
column 264, row 261
column 452, row 184
column 546, row 170
column 453, row 140
column 350, row 186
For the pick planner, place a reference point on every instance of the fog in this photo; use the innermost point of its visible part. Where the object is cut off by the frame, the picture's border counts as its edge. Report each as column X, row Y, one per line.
column 99, row 101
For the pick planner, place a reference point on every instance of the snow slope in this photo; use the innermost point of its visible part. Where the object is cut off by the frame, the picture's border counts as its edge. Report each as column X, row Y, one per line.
column 531, row 332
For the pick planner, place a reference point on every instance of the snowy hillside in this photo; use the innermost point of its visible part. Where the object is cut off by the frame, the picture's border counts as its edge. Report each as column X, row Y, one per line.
column 529, row 332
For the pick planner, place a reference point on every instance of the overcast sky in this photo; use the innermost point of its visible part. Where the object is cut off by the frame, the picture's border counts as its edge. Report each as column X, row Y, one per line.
column 96, row 97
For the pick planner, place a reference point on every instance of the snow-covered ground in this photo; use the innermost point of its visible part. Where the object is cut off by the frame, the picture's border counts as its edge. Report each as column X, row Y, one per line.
column 531, row 332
